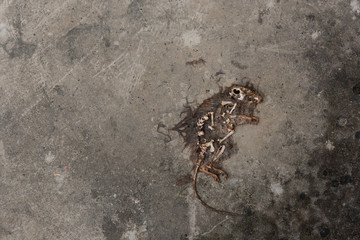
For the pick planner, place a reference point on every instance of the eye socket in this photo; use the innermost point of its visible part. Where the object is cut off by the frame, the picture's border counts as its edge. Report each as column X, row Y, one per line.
column 236, row 91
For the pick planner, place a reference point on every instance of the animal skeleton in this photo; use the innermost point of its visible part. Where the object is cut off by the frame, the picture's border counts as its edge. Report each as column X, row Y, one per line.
column 209, row 128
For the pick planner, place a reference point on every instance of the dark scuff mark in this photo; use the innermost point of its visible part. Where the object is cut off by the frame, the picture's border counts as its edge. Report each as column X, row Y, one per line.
column 80, row 39
column 196, row 62
column 19, row 48
column 261, row 15
column 238, row 65
column 135, row 10
column 219, row 73
column 110, row 229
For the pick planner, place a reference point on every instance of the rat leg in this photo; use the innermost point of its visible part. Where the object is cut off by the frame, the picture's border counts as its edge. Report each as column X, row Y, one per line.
column 216, row 157
column 204, row 147
column 204, row 169
column 221, row 172
column 250, row 119
column 218, row 153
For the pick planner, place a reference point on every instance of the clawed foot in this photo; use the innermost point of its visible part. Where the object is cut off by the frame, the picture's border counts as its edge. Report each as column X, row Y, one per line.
column 214, row 172
column 218, row 171
column 255, row 120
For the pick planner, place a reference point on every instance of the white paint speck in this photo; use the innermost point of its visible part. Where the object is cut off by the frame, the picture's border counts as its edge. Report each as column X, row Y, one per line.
column 276, row 188
column 270, row 4
column 329, row 145
column 355, row 6
column 49, row 157
column 4, row 33
column 319, row 94
column 315, row 35
column 136, row 201
column 60, row 180
column 191, row 38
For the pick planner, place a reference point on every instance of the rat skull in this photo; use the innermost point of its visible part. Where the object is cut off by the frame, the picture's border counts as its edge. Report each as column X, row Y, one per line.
column 244, row 94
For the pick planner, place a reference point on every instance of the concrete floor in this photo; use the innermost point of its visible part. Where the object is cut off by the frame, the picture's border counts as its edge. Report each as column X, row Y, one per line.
column 89, row 89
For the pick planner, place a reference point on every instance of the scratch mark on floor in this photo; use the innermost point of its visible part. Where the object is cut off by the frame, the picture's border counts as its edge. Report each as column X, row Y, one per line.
column 110, row 65
column 48, row 17
column 215, row 226
column 40, row 98
column 193, row 230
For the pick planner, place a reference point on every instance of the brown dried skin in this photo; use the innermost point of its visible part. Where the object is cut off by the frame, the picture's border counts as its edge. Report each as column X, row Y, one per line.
column 208, row 130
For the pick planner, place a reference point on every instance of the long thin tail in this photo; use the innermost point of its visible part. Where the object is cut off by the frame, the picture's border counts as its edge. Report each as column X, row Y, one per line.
column 205, row 204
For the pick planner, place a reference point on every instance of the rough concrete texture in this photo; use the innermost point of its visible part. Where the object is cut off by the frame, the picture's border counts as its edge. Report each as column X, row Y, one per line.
column 89, row 90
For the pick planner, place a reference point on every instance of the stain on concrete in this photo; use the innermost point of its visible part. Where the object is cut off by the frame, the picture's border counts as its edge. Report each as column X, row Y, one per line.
column 79, row 40
column 17, row 47
column 111, row 230
column 136, row 9
column 238, row 65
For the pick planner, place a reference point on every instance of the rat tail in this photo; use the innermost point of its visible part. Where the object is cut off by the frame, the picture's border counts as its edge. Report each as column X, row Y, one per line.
column 205, row 204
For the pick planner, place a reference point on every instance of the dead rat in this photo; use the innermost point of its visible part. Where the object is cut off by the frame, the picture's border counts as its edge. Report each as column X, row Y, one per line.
column 208, row 131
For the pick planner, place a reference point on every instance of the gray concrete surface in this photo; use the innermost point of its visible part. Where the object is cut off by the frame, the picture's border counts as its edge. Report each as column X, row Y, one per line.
column 89, row 89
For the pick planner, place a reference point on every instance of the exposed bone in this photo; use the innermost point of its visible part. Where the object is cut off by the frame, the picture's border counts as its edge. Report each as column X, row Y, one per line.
column 211, row 128
column 233, row 108
column 201, row 133
column 221, row 151
column 209, row 144
column 226, row 103
column 212, row 118
column 217, row 155
column 203, row 150
column 242, row 96
column 226, row 137
column 200, row 122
